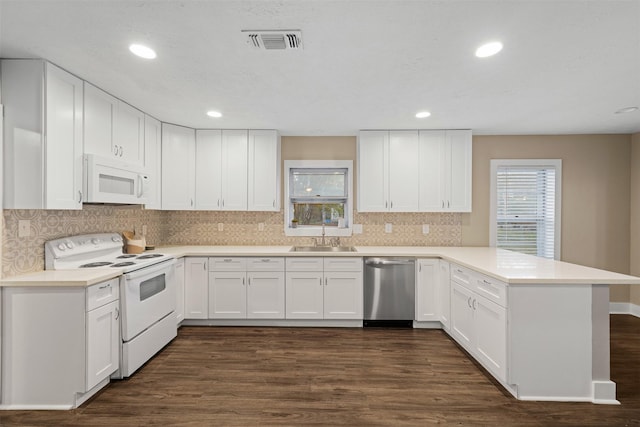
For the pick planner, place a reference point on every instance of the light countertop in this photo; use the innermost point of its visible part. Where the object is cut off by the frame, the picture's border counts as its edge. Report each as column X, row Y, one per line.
column 510, row 267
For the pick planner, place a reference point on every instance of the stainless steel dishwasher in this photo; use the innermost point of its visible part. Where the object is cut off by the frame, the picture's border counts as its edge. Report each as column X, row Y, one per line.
column 389, row 291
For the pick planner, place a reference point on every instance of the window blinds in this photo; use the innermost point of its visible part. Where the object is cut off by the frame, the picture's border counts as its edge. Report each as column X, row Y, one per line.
column 525, row 215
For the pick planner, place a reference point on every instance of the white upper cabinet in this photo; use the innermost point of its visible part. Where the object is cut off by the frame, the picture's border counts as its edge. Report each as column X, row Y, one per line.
column 112, row 128
column 208, row 171
column 178, row 167
column 42, row 136
column 153, row 161
column 221, row 170
column 234, row 170
column 263, row 192
column 388, row 165
column 445, row 171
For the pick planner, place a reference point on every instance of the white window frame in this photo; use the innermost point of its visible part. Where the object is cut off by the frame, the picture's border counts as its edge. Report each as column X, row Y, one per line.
column 313, row 231
column 555, row 163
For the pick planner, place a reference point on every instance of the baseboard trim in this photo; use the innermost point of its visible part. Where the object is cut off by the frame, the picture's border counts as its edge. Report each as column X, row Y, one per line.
column 624, row 308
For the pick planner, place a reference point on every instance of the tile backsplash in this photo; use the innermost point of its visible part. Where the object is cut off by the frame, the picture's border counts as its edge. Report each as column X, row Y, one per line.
column 26, row 254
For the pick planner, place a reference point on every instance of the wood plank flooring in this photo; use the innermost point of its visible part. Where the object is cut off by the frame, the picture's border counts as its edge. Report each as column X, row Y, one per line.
column 312, row 376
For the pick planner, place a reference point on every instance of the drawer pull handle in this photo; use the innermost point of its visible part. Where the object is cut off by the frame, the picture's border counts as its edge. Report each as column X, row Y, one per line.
column 474, row 303
column 117, row 313
column 105, row 286
column 265, row 260
column 486, row 282
column 227, row 260
column 469, row 302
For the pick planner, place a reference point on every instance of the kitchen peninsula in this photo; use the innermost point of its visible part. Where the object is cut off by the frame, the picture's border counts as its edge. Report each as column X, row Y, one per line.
column 540, row 327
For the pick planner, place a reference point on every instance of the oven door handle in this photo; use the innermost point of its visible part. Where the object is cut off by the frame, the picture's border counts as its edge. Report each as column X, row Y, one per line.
column 146, row 271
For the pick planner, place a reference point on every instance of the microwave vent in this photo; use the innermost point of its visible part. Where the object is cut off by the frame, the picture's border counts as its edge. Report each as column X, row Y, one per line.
column 273, row 39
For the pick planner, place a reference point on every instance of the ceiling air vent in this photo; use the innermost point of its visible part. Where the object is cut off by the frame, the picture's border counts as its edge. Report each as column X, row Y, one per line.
column 273, row 39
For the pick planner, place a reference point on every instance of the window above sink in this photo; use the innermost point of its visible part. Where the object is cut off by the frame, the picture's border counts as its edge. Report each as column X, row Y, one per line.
column 319, row 197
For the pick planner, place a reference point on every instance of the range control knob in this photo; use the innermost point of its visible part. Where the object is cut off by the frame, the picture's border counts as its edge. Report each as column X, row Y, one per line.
column 116, row 239
column 70, row 245
column 62, row 247
column 95, row 241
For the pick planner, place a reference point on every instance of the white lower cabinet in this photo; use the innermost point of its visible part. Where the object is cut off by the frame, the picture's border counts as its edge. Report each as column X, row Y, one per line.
column 324, row 288
column 246, row 288
column 180, row 290
column 477, row 323
column 433, row 291
column 444, row 294
column 60, row 344
column 196, row 290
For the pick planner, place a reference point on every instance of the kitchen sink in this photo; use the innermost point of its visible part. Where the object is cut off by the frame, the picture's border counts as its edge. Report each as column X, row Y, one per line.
column 323, row 249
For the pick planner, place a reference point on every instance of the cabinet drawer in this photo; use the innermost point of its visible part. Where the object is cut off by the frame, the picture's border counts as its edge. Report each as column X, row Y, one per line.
column 304, row 264
column 492, row 289
column 102, row 293
column 227, row 264
column 462, row 275
column 265, row 264
column 342, row 264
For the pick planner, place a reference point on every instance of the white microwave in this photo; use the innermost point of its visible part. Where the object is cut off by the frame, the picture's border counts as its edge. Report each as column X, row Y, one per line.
column 114, row 181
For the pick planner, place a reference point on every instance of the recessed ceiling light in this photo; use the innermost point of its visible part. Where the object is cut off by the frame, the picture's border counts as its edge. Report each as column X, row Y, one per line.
column 627, row 110
column 488, row 49
column 215, row 114
column 423, row 114
column 142, row 51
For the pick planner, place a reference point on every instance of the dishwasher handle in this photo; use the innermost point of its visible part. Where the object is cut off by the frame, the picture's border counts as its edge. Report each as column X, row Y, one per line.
column 381, row 262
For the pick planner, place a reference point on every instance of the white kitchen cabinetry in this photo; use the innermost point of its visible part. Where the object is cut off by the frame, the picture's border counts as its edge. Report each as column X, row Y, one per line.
column 196, row 289
column 180, row 279
column 112, row 128
column 42, row 136
column 246, row 288
column 263, row 191
column 427, row 306
column 178, row 167
column 445, row 170
column 388, row 170
column 444, row 294
column 221, row 170
column 478, row 321
column 60, row 344
column 324, row 288
column 153, row 161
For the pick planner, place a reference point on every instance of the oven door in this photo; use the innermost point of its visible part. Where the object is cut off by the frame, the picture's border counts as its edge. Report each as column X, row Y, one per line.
column 147, row 295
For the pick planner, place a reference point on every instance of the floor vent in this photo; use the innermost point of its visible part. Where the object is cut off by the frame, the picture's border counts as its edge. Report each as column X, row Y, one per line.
column 273, row 39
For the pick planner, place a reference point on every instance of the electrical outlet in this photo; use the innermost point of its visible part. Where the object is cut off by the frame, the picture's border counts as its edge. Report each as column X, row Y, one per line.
column 144, row 230
column 24, row 228
column 261, row 226
column 425, row 228
column 357, row 228
column 388, row 227
column 220, row 226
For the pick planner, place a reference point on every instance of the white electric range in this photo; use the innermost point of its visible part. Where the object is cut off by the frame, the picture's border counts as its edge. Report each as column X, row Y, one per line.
column 147, row 291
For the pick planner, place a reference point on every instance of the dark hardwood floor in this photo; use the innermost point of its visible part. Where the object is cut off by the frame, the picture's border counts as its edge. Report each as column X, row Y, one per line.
column 311, row 376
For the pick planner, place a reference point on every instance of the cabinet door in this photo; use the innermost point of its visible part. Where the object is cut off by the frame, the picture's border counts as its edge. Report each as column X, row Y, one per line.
column 373, row 171
column 152, row 161
column 264, row 171
column 129, row 134
column 227, row 295
column 444, row 294
column 343, row 295
column 103, row 341
column 100, row 111
column 63, row 146
column 462, row 316
column 196, row 289
column 180, row 290
column 491, row 336
column 432, row 148
column 404, row 174
column 304, row 295
column 208, row 170
column 234, row 170
column 426, row 290
column 265, row 295
column 178, row 167
column 458, row 182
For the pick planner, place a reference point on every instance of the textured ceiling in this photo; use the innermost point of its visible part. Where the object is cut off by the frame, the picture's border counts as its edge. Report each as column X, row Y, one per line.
column 567, row 66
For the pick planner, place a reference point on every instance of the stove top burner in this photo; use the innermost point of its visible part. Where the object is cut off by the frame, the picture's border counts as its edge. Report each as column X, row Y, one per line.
column 127, row 256
column 123, row 264
column 149, row 256
column 96, row 264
